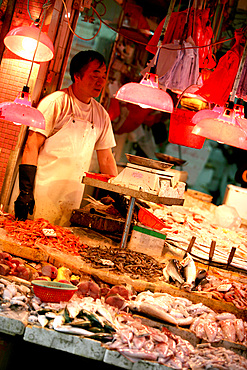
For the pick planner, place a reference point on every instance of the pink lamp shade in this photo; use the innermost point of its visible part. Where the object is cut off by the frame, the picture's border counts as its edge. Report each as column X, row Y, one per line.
column 146, row 94
column 22, row 41
column 20, row 112
column 222, row 124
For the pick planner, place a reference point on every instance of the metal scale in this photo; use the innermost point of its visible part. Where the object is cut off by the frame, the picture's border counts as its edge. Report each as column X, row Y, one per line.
column 145, row 175
column 143, row 178
column 140, row 179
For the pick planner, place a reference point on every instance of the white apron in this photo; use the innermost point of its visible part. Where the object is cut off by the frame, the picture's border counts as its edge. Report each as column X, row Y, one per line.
column 62, row 162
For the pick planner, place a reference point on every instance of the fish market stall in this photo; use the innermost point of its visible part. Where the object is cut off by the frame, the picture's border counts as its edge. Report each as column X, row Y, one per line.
column 177, row 297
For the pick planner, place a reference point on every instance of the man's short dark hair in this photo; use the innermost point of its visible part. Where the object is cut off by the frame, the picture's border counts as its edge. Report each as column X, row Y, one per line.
column 82, row 59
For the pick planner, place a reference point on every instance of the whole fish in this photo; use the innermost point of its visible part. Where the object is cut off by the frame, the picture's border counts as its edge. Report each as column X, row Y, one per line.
column 95, row 319
column 189, row 271
column 73, row 330
column 172, row 271
column 154, row 311
column 81, row 323
column 201, row 277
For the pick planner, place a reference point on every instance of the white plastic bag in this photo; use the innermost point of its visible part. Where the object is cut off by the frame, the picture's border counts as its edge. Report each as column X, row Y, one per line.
column 227, row 216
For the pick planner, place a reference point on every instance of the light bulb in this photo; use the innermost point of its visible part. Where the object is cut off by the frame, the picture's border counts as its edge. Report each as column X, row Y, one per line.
column 29, row 45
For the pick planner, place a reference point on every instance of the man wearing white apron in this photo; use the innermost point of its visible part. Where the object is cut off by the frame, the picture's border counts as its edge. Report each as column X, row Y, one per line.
column 55, row 159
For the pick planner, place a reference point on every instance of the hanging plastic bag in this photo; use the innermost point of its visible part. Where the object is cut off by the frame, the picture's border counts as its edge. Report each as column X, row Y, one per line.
column 185, row 70
column 217, row 88
column 200, row 30
column 180, row 131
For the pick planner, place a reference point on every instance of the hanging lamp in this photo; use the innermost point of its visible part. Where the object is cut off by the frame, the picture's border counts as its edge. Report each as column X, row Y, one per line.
column 23, row 41
column 147, row 93
column 20, row 111
column 225, row 124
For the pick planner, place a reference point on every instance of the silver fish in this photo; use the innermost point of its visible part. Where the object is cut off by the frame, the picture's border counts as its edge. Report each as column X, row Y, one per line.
column 172, row 271
column 189, row 271
column 73, row 330
column 154, row 311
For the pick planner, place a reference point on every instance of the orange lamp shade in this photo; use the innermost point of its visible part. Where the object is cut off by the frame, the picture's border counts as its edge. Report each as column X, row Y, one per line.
column 147, row 94
column 22, row 41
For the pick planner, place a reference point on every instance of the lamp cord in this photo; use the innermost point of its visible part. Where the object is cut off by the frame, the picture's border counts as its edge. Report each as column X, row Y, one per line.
column 71, row 29
column 43, row 13
column 162, row 34
column 131, row 39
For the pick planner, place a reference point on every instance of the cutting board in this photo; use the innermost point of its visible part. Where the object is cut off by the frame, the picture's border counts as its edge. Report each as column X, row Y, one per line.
column 96, row 221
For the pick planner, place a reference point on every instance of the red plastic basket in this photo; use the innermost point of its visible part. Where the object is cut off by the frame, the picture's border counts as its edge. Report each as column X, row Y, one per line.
column 150, row 220
column 180, row 131
column 52, row 291
column 98, row 176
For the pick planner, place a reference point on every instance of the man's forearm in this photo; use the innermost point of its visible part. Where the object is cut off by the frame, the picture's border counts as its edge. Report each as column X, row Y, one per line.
column 107, row 163
column 31, row 150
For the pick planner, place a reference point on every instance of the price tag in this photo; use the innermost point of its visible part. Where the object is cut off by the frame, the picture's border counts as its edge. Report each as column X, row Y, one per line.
column 49, row 232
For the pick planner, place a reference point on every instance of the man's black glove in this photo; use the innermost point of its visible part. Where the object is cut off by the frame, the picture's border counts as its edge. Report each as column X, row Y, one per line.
column 24, row 204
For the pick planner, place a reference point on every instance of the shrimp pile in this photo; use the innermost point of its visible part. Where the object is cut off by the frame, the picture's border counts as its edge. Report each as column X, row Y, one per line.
column 31, row 233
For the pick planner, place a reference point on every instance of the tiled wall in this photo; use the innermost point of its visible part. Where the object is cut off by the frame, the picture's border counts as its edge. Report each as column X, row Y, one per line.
column 13, row 76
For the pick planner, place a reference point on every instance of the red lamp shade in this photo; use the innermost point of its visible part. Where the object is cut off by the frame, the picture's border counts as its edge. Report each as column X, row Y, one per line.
column 180, row 130
column 146, row 94
column 222, row 124
column 20, row 112
column 22, row 41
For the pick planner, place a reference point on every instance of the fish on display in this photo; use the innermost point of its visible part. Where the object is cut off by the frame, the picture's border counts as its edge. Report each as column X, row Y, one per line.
column 172, row 270
column 189, row 271
column 201, row 278
column 183, row 272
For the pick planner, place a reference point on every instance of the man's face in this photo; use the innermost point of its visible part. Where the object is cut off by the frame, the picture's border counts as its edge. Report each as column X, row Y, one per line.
column 91, row 81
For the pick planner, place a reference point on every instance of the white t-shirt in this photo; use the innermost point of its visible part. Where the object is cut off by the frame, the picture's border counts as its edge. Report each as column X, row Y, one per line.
column 57, row 106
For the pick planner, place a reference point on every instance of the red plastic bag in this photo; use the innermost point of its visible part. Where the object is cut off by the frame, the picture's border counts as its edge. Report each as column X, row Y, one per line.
column 200, row 30
column 217, row 88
